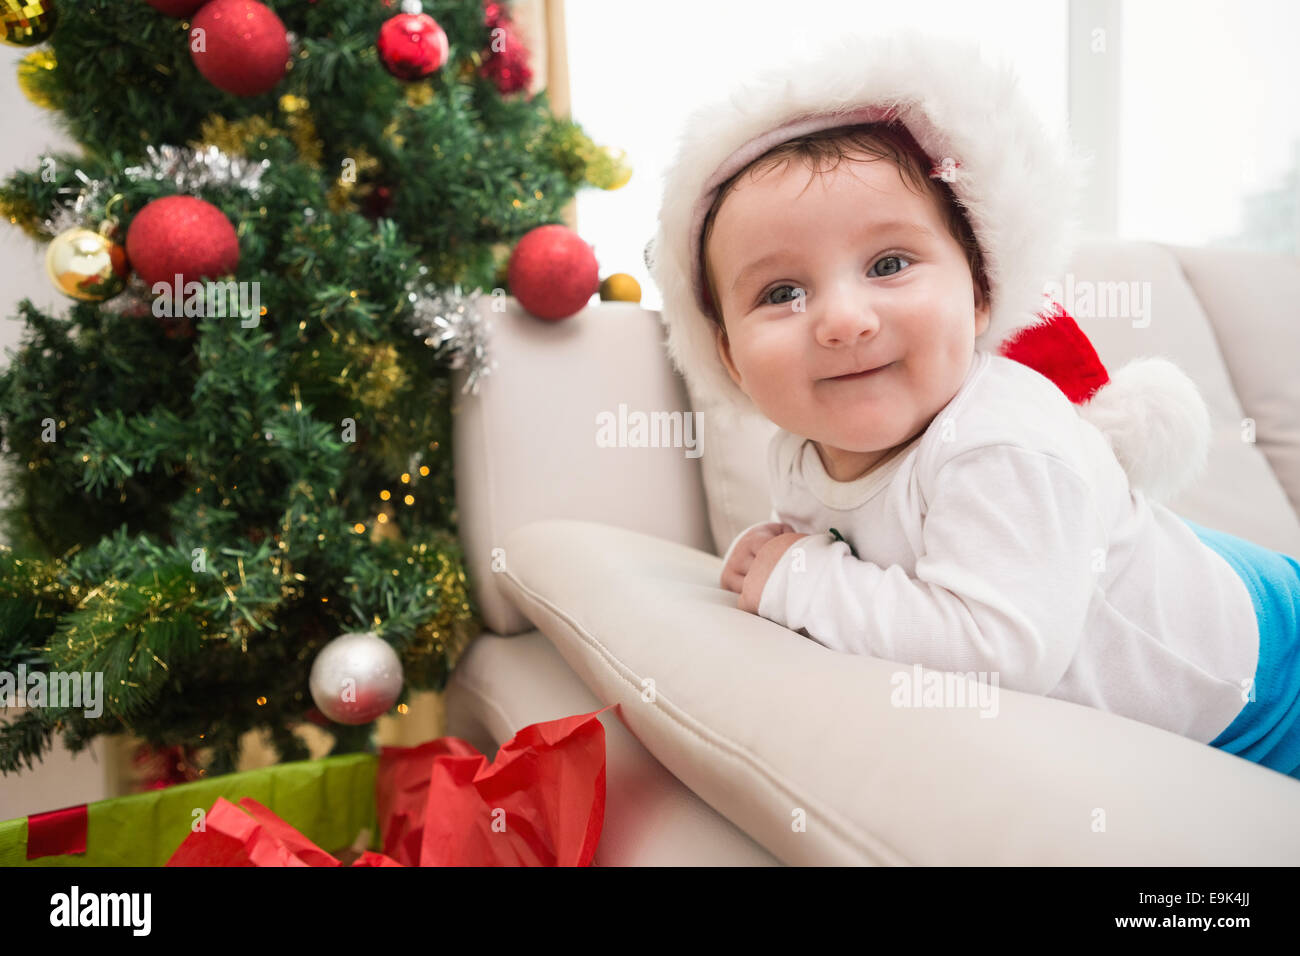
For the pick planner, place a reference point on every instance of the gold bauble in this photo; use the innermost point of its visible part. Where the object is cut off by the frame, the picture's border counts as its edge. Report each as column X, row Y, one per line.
column 620, row 287
column 26, row 22
column 32, row 66
column 86, row 265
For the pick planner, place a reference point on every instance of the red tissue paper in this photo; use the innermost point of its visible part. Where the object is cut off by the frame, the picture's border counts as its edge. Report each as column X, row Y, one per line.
column 540, row 803
column 258, row 837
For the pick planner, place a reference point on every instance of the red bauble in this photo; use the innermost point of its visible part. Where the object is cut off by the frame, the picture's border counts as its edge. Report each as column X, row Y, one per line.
column 552, row 272
column 378, row 203
column 162, row 767
column 176, row 8
column 246, row 47
column 507, row 62
column 412, row 45
column 181, row 234
column 495, row 15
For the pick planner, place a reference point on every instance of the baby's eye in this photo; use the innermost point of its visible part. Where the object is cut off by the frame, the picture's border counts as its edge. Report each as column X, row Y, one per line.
column 889, row 265
column 798, row 293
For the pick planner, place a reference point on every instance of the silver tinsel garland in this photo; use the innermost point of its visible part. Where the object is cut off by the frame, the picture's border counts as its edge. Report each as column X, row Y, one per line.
column 188, row 170
column 452, row 323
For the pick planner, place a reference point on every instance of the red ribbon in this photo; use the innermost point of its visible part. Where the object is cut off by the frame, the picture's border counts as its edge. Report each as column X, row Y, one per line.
column 57, row 832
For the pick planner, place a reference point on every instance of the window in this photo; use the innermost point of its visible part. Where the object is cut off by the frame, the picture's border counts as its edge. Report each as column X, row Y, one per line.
column 1209, row 131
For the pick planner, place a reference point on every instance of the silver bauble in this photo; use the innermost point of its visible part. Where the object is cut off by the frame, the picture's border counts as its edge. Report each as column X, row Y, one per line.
column 356, row 678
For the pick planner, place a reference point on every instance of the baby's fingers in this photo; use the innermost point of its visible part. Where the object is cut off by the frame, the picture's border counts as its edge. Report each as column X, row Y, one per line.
column 732, row 579
column 733, row 575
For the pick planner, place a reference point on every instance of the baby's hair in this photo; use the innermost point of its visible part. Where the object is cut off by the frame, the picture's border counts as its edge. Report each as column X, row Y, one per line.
column 889, row 141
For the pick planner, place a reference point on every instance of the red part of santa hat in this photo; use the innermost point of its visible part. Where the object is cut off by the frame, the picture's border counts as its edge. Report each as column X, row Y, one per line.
column 1057, row 349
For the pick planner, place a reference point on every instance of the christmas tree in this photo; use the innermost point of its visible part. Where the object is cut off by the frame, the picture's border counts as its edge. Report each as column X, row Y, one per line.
column 203, row 497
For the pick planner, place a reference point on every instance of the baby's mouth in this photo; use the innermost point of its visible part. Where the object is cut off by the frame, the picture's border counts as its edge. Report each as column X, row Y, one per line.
column 859, row 376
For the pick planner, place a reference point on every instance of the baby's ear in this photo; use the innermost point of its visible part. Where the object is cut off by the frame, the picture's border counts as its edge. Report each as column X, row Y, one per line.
column 724, row 353
column 983, row 309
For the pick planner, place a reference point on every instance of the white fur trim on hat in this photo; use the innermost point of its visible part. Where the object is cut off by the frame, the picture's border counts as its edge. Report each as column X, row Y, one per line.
column 1016, row 179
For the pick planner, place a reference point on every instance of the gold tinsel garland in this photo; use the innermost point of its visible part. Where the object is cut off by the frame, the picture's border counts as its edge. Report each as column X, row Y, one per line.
column 38, row 579
column 21, row 212
column 302, row 128
column 602, row 166
column 32, row 69
column 449, row 632
column 419, row 94
column 607, row 168
column 374, row 374
column 344, row 196
column 234, row 136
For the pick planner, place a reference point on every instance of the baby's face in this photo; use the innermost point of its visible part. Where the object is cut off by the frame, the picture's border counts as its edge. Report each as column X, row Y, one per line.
column 862, row 273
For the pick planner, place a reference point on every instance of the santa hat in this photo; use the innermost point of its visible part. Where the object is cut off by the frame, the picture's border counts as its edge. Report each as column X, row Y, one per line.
column 1017, row 184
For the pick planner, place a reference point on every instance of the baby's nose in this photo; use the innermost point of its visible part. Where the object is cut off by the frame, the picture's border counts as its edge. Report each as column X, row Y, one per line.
column 846, row 320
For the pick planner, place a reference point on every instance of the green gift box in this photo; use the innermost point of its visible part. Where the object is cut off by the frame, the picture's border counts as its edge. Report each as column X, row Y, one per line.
column 329, row 801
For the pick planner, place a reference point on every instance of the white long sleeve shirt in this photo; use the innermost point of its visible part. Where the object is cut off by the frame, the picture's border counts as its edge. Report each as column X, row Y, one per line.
column 1004, row 539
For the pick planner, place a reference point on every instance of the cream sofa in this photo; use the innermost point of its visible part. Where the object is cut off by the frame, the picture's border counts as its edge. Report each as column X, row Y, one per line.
column 736, row 741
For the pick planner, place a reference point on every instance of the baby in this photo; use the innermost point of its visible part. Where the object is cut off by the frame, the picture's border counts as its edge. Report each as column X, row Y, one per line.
column 889, row 342
column 935, row 501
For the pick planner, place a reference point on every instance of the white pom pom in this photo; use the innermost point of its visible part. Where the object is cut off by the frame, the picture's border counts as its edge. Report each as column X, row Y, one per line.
column 1157, row 423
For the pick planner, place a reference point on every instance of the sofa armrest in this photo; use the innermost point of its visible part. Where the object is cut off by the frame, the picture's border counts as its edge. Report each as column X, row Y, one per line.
column 534, row 442
column 801, row 748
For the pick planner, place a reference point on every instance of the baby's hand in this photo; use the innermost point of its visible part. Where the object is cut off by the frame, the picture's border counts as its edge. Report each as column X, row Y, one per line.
column 742, row 555
column 765, row 562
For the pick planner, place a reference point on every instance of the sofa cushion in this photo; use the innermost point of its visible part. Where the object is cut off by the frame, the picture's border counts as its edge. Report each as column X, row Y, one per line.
column 1251, row 301
column 811, row 753
column 735, row 472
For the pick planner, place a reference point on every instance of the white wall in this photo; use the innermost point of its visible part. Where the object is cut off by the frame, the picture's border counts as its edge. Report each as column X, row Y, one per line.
column 28, row 131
